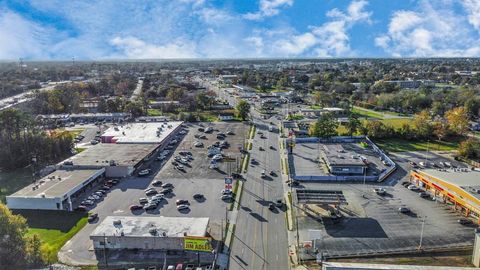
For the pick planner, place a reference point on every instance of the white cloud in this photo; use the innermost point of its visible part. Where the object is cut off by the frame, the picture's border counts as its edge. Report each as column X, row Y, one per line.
column 268, row 8
column 326, row 40
column 434, row 29
column 21, row 38
column 133, row 47
column 473, row 11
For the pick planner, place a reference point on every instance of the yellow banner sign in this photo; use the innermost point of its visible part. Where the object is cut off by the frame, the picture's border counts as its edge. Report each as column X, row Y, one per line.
column 197, row 244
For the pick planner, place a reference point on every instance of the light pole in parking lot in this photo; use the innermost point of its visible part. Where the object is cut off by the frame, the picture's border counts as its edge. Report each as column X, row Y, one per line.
column 421, row 233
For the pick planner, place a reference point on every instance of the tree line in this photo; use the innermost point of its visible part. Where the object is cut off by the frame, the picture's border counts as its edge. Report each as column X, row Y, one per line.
column 22, row 139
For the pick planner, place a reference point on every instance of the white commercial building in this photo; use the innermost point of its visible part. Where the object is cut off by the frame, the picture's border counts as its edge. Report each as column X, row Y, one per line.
column 149, row 233
column 140, row 133
column 56, row 191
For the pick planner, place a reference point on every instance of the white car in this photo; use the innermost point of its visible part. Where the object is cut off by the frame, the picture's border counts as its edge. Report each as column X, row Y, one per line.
column 182, row 207
column 217, row 157
column 198, row 144
column 226, row 191
column 144, row 172
column 413, row 187
column 380, row 191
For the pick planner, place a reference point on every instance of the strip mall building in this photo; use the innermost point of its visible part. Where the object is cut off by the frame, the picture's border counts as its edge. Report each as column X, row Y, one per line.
column 458, row 187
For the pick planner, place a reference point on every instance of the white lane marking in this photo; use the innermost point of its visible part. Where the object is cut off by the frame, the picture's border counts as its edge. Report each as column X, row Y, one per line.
column 277, row 257
column 243, row 250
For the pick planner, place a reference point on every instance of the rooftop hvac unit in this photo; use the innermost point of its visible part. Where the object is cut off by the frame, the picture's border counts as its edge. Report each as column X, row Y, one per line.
column 117, row 222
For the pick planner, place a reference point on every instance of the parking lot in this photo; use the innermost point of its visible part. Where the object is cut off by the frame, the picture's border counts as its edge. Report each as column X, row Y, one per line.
column 306, row 157
column 197, row 178
column 372, row 224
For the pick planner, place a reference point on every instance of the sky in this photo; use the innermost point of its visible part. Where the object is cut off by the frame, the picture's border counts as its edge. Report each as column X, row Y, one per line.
column 162, row 29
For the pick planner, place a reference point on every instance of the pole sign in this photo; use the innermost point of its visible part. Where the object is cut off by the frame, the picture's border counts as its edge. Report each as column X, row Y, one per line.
column 197, row 243
column 228, row 180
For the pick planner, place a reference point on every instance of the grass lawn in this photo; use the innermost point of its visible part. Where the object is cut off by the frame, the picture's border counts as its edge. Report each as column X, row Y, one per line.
column 54, row 228
column 154, row 112
column 396, row 122
column 403, row 145
column 366, row 113
column 12, row 181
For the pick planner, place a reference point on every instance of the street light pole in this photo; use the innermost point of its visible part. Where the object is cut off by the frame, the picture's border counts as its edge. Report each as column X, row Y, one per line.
column 421, row 233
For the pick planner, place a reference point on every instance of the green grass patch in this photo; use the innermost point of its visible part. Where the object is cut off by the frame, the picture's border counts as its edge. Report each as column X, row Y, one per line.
column 292, row 117
column 154, row 112
column 54, row 228
column 366, row 113
column 246, row 162
column 363, row 144
column 315, row 107
column 80, row 149
column 397, row 122
column 12, row 181
column 404, row 145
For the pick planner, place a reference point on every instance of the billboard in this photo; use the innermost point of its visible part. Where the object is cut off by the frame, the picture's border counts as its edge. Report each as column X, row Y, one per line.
column 197, row 243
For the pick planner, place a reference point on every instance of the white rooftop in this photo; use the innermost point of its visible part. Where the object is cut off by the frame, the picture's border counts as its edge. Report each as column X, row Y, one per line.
column 142, row 226
column 371, row 266
column 140, row 132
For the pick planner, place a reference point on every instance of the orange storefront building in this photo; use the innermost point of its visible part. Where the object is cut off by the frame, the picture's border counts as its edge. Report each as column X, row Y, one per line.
column 457, row 187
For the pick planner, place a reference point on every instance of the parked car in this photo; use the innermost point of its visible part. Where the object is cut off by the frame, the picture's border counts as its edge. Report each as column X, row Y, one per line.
column 380, row 191
column 271, row 206
column 464, row 221
column 81, row 208
column 167, row 185
column 88, row 202
column 190, row 267
column 144, row 172
column 150, row 206
column 134, row 207
column 93, row 142
column 151, row 192
column 182, row 207
column 272, row 173
column 143, row 200
column 92, row 217
column 179, row 202
column 423, row 195
column 157, row 183
column 226, row 197
column 198, row 196
column 166, row 191
column 404, row 210
column 279, row 203
column 227, row 191
column 413, row 188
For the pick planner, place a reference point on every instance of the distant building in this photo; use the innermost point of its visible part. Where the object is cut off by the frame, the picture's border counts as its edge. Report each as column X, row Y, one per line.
column 164, row 104
column 226, row 116
column 228, row 79
column 412, row 84
column 315, row 113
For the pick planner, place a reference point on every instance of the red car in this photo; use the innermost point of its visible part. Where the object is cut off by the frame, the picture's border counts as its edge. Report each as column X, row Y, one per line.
column 135, row 207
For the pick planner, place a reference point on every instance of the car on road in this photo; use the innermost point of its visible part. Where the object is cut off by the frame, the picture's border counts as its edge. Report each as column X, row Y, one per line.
column 92, row 217
column 144, row 172
column 271, row 206
column 261, row 148
column 380, row 191
column 279, row 203
column 198, row 196
column 272, row 173
column 404, row 210
column 182, row 207
column 93, row 142
column 253, row 161
column 263, row 174
column 157, row 183
column 263, row 136
column 271, row 147
column 179, row 202
column 134, row 207
column 293, row 183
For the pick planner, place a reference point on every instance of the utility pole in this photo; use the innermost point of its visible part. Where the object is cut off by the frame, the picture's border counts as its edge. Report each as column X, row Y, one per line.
column 426, row 153
column 105, row 251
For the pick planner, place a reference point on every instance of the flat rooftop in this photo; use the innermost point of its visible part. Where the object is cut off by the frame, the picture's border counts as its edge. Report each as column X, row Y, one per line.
column 141, row 226
column 467, row 179
column 140, row 132
column 337, row 156
column 123, row 154
column 371, row 266
column 57, row 184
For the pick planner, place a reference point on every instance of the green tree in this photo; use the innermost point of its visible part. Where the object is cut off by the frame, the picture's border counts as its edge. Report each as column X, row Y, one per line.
column 243, row 109
column 470, row 148
column 12, row 239
column 422, row 125
column 325, row 127
column 457, row 119
column 353, row 124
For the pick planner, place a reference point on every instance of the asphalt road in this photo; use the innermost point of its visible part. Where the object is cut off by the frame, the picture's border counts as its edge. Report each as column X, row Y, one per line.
column 260, row 240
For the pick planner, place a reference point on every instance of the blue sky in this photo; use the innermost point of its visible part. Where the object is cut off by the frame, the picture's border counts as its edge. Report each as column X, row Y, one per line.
column 136, row 29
